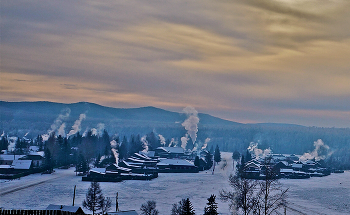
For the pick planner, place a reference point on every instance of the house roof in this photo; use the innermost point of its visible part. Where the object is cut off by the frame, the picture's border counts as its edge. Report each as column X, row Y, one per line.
column 175, row 150
column 72, row 209
column 21, row 164
column 297, row 165
column 6, row 167
column 181, row 162
column 10, row 157
column 148, row 153
column 132, row 212
column 98, row 170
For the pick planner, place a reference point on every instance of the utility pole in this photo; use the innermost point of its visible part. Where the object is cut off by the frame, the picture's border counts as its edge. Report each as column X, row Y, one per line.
column 75, row 187
column 116, row 203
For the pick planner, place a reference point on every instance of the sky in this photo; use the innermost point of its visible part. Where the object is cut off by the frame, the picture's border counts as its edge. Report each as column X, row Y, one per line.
column 249, row 61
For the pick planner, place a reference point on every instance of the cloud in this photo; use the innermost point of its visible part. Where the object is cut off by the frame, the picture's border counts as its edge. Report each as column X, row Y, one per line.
column 237, row 59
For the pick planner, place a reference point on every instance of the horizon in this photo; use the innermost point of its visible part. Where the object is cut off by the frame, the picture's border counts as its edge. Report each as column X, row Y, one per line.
column 179, row 112
column 246, row 61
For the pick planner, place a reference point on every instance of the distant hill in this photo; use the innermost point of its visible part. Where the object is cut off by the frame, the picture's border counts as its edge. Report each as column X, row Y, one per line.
column 36, row 117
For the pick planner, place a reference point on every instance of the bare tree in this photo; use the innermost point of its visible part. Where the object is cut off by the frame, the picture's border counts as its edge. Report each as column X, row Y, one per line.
column 244, row 194
column 272, row 195
column 106, row 205
column 252, row 196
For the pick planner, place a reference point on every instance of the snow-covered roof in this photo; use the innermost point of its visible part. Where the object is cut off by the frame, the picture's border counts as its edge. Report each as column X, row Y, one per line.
column 34, row 148
column 21, row 164
column 286, row 170
column 181, row 162
column 98, row 170
column 131, row 164
column 6, row 167
column 148, row 153
column 141, row 161
column 132, row 212
column 297, row 165
column 177, row 150
column 72, row 209
column 142, row 156
column 41, row 153
column 10, row 157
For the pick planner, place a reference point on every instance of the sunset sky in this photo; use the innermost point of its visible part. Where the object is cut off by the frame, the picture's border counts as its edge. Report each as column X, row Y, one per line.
column 283, row 61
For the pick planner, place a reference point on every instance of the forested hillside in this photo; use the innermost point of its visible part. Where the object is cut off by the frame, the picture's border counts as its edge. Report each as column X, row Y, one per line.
column 34, row 118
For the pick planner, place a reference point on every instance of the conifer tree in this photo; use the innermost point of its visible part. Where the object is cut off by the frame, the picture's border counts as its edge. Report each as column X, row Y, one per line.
column 217, row 154
column 196, row 161
column 187, row 208
column 94, row 198
column 149, row 208
column 212, row 207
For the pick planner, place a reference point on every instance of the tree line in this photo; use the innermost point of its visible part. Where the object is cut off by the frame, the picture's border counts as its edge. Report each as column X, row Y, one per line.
column 95, row 201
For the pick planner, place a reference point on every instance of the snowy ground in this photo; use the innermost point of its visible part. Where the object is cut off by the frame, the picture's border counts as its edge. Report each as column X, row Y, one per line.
column 327, row 195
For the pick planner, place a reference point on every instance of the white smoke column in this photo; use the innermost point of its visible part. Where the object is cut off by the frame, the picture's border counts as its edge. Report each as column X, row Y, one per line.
column 85, row 132
column 205, row 143
column 100, row 128
column 61, row 130
column 162, row 139
column 184, row 141
column 115, row 153
column 145, row 143
column 173, row 142
column 3, row 133
column 94, row 131
column 253, row 148
column 191, row 123
column 319, row 145
column 45, row 137
column 25, row 134
column 12, row 143
column 77, row 125
column 59, row 120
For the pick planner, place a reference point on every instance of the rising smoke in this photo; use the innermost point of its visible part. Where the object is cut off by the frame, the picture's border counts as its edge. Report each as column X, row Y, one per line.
column 258, row 153
column 205, row 143
column 191, row 126
column 145, row 143
column 77, row 125
column 114, row 145
column 184, row 141
column 57, row 124
column 320, row 152
column 98, row 131
column 162, row 139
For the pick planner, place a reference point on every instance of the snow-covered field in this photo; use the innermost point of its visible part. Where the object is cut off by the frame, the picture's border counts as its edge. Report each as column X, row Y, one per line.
column 327, row 195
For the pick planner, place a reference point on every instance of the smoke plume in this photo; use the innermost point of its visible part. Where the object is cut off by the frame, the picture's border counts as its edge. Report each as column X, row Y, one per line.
column 77, row 125
column 205, row 143
column 320, row 152
column 184, row 141
column 258, row 153
column 190, row 124
column 162, row 139
column 59, row 120
column 98, row 131
column 173, row 143
column 145, row 143
column 61, row 131
column 115, row 153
